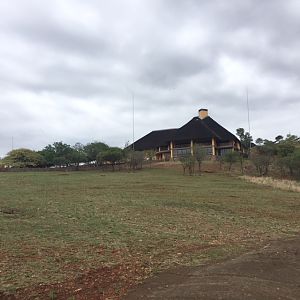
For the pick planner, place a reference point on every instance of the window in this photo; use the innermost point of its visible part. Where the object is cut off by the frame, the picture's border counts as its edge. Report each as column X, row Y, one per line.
column 224, row 151
column 181, row 152
column 208, row 150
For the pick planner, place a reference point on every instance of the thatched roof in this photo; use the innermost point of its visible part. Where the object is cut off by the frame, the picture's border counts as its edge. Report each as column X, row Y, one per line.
column 198, row 130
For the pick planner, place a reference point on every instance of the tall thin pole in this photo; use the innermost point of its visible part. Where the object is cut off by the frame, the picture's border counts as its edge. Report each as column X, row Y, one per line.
column 248, row 118
column 12, row 143
column 133, row 121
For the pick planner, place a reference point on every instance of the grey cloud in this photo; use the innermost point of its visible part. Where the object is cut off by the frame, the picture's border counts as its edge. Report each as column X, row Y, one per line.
column 59, row 38
column 167, row 69
column 68, row 69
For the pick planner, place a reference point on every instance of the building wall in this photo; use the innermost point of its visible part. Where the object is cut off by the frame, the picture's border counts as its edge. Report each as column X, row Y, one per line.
column 213, row 149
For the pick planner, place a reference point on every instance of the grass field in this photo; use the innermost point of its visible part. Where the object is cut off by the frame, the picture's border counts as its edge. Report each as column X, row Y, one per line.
column 55, row 226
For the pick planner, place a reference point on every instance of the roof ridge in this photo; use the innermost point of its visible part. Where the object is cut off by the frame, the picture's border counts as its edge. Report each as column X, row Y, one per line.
column 187, row 122
column 164, row 129
column 223, row 128
column 210, row 128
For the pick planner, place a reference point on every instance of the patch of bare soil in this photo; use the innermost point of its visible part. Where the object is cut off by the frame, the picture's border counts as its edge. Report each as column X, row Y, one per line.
column 272, row 272
column 104, row 283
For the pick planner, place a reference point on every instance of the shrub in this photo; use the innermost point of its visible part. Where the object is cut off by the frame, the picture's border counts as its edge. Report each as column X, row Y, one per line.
column 23, row 158
column 135, row 159
column 188, row 163
column 200, row 155
column 230, row 158
column 113, row 155
column 261, row 162
column 292, row 162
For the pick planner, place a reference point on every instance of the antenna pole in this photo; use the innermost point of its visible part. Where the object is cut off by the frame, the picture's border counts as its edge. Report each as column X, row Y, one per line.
column 248, row 118
column 133, row 121
column 12, row 143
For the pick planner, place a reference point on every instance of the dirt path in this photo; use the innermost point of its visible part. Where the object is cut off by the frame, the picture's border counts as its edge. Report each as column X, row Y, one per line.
column 272, row 272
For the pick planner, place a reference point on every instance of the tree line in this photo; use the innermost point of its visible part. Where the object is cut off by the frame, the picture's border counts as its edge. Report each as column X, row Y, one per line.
column 281, row 156
column 60, row 154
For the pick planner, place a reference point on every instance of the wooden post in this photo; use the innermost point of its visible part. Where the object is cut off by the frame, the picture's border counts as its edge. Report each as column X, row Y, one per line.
column 213, row 146
column 171, row 148
column 159, row 154
column 192, row 147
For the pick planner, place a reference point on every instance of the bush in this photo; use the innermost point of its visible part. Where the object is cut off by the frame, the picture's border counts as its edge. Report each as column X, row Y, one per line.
column 93, row 149
column 135, row 159
column 23, row 158
column 292, row 162
column 230, row 158
column 188, row 163
column 261, row 162
column 200, row 155
column 113, row 155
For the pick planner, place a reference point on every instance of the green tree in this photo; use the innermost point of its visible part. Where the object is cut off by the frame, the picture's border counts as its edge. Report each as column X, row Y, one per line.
column 62, row 149
column 288, row 145
column 23, row 158
column 93, row 149
column 114, row 155
column 77, row 156
column 60, row 161
column 268, row 148
column 246, row 140
column 57, row 154
column 278, row 138
column 259, row 141
column 79, row 147
column 49, row 155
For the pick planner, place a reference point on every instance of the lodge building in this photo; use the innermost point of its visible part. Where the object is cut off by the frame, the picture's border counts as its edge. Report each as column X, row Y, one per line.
column 201, row 130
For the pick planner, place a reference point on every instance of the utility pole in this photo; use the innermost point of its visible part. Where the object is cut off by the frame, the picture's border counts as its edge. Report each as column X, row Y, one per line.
column 12, row 143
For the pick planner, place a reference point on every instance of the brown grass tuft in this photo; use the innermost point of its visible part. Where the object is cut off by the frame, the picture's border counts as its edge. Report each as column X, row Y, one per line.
column 282, row 184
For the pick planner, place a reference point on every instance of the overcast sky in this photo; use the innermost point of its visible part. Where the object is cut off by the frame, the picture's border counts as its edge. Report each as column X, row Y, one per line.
column 68, row 69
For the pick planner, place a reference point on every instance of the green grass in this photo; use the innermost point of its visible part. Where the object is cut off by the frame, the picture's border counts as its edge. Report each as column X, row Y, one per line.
column 57, row 225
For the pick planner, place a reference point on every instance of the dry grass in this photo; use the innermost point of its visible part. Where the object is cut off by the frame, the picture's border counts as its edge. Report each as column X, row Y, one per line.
column 283, row 184
column 54, row 228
